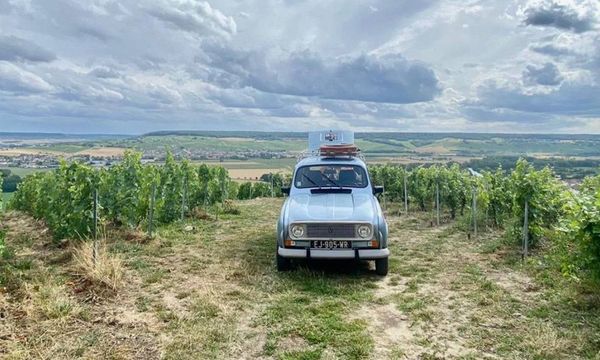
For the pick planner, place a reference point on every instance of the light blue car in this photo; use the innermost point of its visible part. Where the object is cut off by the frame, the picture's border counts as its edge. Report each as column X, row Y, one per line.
column 332, row 211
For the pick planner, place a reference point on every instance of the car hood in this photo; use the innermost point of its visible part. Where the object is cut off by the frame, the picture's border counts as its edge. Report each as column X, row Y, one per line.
column 331, row 207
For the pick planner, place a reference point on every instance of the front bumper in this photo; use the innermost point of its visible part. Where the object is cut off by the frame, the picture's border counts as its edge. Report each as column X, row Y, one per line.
column 362, row 254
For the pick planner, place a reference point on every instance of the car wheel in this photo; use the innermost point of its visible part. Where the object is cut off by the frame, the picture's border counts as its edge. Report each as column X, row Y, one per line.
column 283, row 264
column 381, row 266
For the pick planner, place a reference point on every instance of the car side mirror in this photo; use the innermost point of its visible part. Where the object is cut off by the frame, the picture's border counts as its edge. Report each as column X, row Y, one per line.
column 285, row 190
column 377, row 190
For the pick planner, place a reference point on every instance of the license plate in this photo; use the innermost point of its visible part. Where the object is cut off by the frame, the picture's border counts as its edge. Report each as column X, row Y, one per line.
column 330, row 244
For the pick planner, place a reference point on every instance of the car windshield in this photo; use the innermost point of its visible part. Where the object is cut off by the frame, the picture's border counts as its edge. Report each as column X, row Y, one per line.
column 333, row 175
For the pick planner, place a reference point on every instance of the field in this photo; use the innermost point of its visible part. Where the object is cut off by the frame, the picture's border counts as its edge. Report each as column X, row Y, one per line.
column 373, row 144
column 254, row 168
column 64, row 151
column 570, row 153
column 209, row 289
column 378, row 144
column 22, row 172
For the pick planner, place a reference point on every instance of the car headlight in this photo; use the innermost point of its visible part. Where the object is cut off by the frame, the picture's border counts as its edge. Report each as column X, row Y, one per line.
column 364, row 231
column 297, row 231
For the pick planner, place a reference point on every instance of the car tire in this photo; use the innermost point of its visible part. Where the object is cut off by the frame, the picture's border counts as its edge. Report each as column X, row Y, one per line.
column 381, row 266
column 283, row 264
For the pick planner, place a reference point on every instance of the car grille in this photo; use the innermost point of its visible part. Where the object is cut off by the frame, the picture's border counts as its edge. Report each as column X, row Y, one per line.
column 330, row 231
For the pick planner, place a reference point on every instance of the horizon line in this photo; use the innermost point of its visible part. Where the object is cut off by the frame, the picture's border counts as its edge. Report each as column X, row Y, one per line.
column 182, row 132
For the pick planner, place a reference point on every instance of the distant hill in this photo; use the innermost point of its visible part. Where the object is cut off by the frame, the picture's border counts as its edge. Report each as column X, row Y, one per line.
column 264, row 135
column 59, row 136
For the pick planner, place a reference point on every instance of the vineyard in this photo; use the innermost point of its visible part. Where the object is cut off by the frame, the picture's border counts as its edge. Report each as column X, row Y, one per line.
column 529, row 205
column 205, row 285
column 73, row 199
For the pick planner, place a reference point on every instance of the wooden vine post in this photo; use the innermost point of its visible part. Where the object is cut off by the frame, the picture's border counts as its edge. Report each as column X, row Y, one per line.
column 384, row 197
column 526, row 230
column 183, row 197
column 474, row 211
column 405, row 194
column 95, row 229
column 151, row 210
column 437, row 202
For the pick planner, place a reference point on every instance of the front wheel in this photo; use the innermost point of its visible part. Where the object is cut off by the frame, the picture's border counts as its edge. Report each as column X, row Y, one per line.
column 283, row 264
column 381, row 266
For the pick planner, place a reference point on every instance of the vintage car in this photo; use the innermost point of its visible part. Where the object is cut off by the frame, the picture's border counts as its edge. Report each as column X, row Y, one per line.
column 332, row 211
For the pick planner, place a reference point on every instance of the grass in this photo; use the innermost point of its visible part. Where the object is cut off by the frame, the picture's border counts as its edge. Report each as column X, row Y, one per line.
column 22, row 172
column 5, row 197
column 213, row 292
column 67, row 148
column 99, row 267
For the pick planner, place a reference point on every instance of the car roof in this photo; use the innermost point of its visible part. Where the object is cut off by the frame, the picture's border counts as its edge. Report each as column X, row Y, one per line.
column 323, row 160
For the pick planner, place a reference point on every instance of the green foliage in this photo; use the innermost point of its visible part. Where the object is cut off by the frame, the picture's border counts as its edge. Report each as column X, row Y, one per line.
column 245, row 191
column 2, row 245
column 501, row 196
column 8, row 181
column 277, row 180
column 544, row 195
column 392, row 178
column 64, row 198
column 453, row 182
column 261, row 189
column 123, row 188
column 455, row 188
column 252, row 190
column 581, row 230
column 496, row 195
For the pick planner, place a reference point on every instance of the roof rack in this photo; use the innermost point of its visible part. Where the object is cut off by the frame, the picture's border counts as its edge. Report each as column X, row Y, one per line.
column 333, row 152
column 350, row 150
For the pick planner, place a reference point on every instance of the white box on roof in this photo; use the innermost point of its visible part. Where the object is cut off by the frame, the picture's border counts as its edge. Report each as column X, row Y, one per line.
column 316, row 139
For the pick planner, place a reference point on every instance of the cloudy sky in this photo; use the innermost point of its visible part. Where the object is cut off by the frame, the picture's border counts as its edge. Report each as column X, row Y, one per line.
column 124, row 66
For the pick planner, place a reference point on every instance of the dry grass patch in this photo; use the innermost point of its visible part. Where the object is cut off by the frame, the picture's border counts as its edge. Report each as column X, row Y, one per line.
column 50, row 301
column 102, row 269
column 201, row 214
column 136, row 235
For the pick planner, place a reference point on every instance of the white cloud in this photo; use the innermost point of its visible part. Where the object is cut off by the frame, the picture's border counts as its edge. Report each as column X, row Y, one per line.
column 193, row 16
column 451, row 65
column 16, row 80
column 13, row 48
column 374, row 78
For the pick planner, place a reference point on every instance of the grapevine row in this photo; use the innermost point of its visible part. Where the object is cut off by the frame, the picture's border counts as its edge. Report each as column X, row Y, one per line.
column 569, row 220
column 500, row 196
column 127, row 191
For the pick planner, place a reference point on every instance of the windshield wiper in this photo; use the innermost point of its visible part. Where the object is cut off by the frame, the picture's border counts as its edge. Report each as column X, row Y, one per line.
column 310, row 180
column 331, row 181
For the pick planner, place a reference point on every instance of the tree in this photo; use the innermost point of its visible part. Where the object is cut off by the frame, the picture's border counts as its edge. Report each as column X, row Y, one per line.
column 11, row 183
